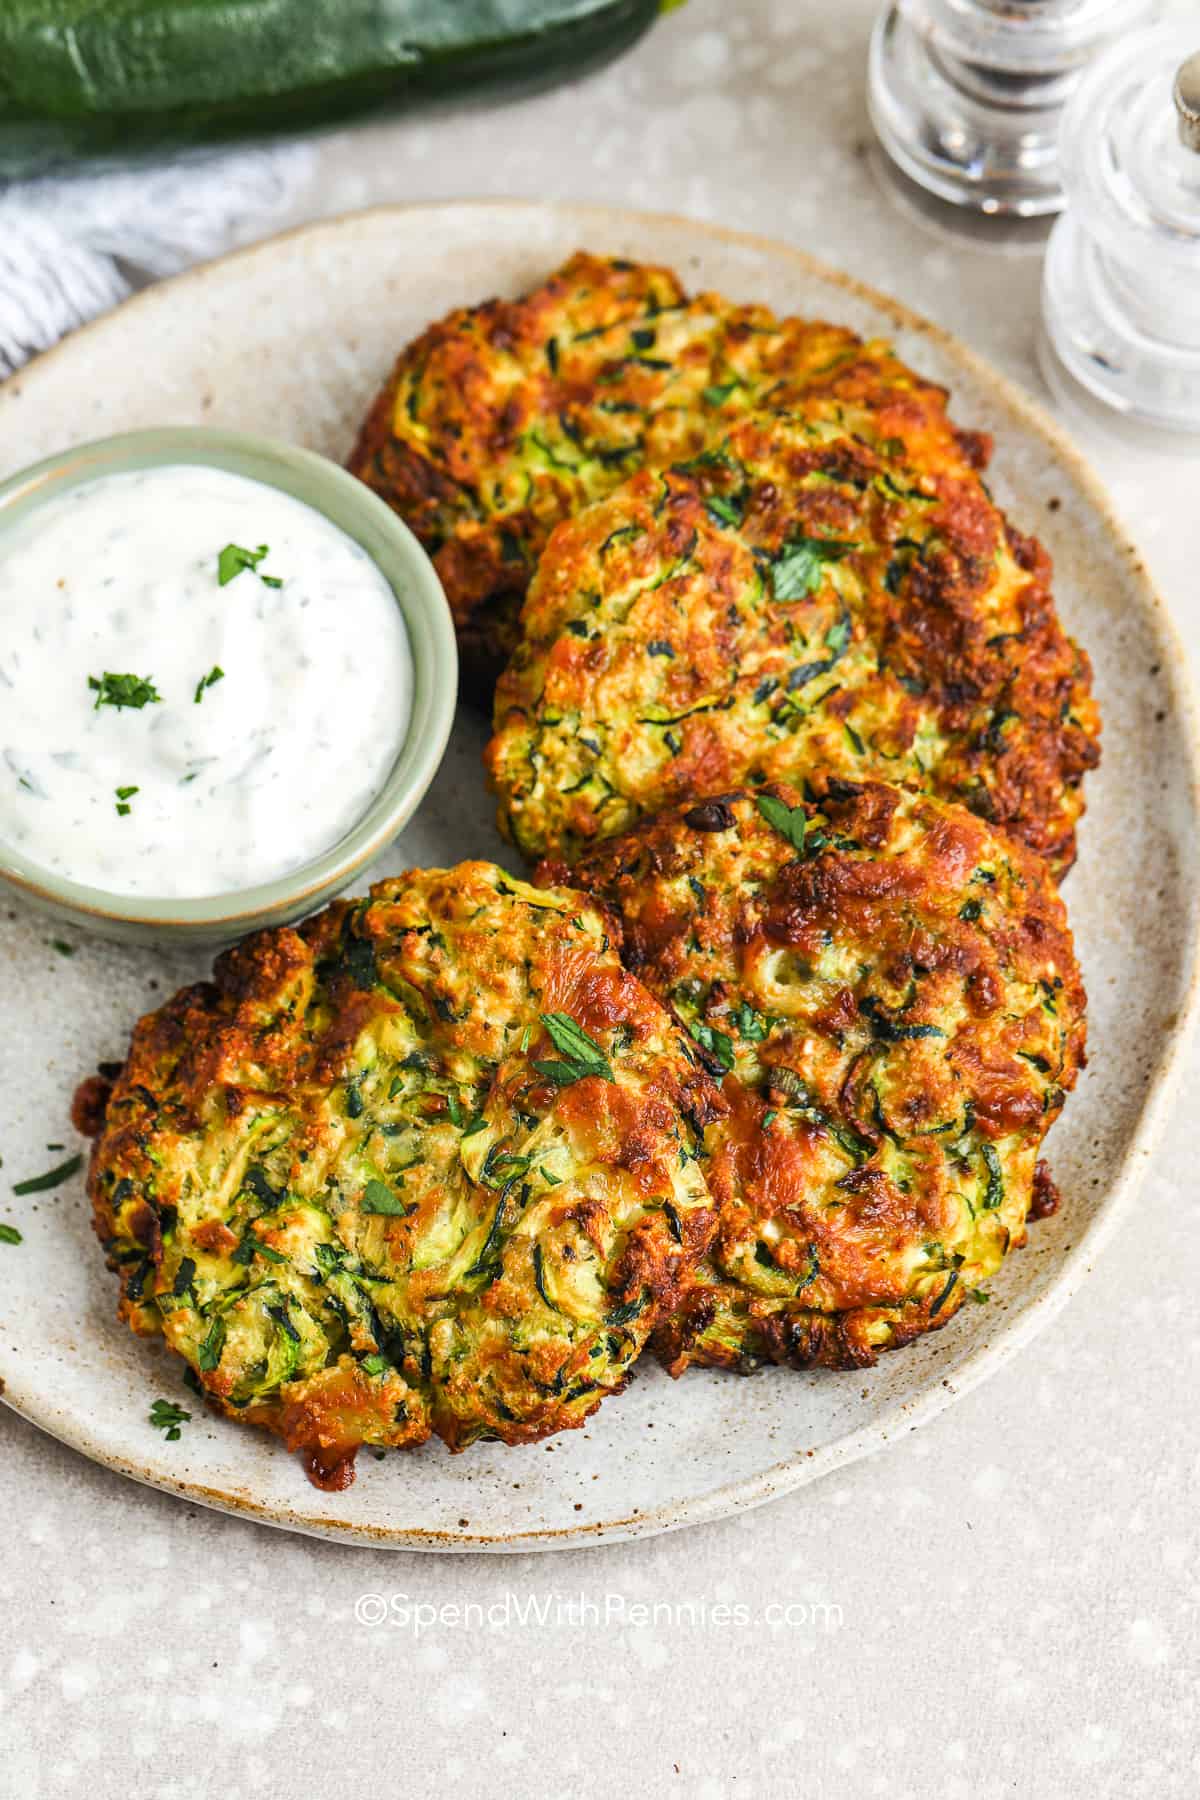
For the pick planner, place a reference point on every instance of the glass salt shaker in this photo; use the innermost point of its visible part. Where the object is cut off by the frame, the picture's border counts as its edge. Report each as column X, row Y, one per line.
column 1121, row 284
column 967, row 95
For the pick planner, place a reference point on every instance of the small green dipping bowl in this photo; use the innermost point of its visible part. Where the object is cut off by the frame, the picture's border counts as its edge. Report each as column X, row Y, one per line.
column 394, row 550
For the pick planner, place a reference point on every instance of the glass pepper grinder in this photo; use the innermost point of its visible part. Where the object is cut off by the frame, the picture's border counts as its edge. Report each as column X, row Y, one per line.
column 1121, row 284
column 967, row 95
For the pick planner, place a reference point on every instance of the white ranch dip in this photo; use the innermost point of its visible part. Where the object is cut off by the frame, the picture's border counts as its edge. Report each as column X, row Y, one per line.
column 281, row 707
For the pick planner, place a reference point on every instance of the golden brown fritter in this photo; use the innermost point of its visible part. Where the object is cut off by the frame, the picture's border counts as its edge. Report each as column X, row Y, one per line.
column 791, row 600
column 431, row 1163
column 504, row 418
column 889, row 989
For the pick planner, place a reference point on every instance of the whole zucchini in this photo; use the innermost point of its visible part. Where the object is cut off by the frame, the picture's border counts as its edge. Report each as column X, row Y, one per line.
column 79, row 78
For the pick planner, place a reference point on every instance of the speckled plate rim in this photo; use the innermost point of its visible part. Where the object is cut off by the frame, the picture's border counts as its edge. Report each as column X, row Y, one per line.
column 905, row 1415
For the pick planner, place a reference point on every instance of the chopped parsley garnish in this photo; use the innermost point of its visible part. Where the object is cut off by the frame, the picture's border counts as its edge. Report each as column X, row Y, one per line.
column 256, row 1182
column 215, row 674
column 718, row 393
column 38, row 1184
column 378, row 1197
column 790, row 821
column 208, row 1355
column 838, row 636
column 722, row 510
column 61, row 945
column 134, row 691
column 375, row 1364
column 797, row 568
column 581, row 1054
column 9, row 1235
column 750, row 1025
column 165, row 1416
column 124, row 796
column 718, row 1043
column 235, row 557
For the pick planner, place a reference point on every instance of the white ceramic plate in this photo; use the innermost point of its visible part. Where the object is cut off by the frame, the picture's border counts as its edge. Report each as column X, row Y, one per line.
column 292, row 338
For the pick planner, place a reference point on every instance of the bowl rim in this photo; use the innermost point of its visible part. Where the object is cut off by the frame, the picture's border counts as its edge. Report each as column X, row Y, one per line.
column 406, row 567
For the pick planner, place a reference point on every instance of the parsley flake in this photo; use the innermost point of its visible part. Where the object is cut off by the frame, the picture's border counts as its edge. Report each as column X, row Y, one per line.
column 790, row 821
column 165, row 1416
column 208, row 1354
column 134, row 691
column 581, row 1054
column 718, row 1043
column 215, row 674
column 235, row 557
column 751, row 1026
column 10, row 1235
column 838, row 636
column 379, row 1198
column 722, row 510
column 797, row 568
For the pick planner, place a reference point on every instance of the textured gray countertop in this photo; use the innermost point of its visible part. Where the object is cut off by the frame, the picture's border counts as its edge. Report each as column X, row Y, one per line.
column 1004, row 1603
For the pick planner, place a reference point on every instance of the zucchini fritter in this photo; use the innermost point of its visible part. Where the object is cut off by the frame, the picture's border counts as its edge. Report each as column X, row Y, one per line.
column 792, row 599
column 431, row 1163
column 504, row 418
column 889, row 987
